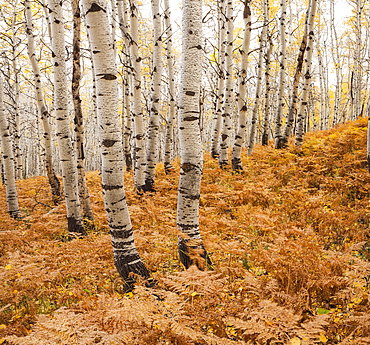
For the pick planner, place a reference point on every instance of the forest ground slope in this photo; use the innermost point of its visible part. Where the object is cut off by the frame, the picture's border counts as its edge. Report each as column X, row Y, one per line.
column 288, row 237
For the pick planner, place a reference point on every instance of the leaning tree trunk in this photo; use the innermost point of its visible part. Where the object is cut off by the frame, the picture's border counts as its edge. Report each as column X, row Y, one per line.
column 126, row 257
column 78, row 119
column 153, row 129
column 171, row 90
column 190, row 245
column 45, row 116
column 8, row 160
column 137, row 111
column 229, row 87
column 282, row 75
column 266, row 115
column 242, row 99
column 306, row 86
column 68, row 163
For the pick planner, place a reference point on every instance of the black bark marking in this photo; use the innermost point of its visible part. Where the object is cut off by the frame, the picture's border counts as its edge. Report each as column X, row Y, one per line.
column 109, row 142
column 109, row 187
column 95, row 8
column 190, row 93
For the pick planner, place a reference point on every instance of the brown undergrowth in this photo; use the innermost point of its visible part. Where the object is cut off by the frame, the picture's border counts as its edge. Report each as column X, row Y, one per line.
column 288, row 236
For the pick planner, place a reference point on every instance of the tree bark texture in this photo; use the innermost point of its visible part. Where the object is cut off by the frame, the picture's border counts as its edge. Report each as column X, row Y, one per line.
column 190, row 244
column 126, row 257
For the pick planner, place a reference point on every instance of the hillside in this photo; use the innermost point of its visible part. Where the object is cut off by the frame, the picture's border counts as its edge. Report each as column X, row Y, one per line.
column 289, row 239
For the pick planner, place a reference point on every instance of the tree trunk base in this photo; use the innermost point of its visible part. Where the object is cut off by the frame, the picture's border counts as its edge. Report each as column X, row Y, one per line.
column 236, row 164
column 215, row 154
column 75, row 226
column 130, row 266
column 281, row 143
column 168, row 168
column 193, row 255
column 148, row 186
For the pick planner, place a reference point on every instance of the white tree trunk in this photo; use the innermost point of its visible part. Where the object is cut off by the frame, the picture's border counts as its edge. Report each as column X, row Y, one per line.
column 242, row 95
column 44, row 113
column 68, row 161
column 78, row 118
column 254, row 120
column 307, row 81
column 137, row 111
column 220, row 98
column 191, row 249
column 171, row 90
column 282, row 75
column 229, row 86
column 8, row 160
column 127, row 259
column 153, row 130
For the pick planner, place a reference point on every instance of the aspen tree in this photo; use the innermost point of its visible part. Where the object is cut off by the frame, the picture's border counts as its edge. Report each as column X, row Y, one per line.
column 153, row 129
column 68, row 162
column 266, row 115
column 8, row 160
column 122, row 10
column 336, row 61
column 297, row 75
column 44, row 113
column 229, row 86
column 78, row 116
column 190, row 244
column 307, row 76
column 242, row 94
column 126, row 257
column 254, row 119
column 282, row 75
column 221, row 78
column 137, row 111
column 171, row 89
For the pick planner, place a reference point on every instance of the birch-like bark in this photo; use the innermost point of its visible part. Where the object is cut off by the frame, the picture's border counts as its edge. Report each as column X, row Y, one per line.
column 137, row 111
column 242, row 94
column 8, row 160
column 294, row 98
column 190, row 245
column 68, row 162
column 153, row 129
column 307, row 76
column 171, row 90
column 220, row 98
column 78, row 116
column 122, row 10
column 282, row 75
column 44, row 113
column 253, row 127
column 266, row 114
column 229, row 86
column 126, row 257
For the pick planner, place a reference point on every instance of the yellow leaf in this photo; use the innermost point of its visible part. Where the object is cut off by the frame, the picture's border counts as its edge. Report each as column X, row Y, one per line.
column 8, row 267
column 2, row 340
column 323, row 339
column 2, row 326
column 193, row 294
column 295, row 341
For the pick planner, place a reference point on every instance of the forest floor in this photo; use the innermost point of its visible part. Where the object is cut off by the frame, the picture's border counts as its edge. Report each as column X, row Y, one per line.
column 288, row 237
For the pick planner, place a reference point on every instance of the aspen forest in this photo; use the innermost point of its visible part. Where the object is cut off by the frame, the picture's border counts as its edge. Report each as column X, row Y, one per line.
column 184, row 172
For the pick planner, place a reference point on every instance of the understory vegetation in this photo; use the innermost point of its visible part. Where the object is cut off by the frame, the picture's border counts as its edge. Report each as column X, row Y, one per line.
column 288, row 238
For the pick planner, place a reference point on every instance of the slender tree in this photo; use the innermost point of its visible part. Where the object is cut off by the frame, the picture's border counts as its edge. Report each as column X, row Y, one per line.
column 229, row 86
column 127, row 259
column 190, row 245
column 78, row 116
column 8, row 160
column 242, row 94
column 153, row 130
column 44, row 113
column 171, row 89
column 307, row 76
column 282, row 75
column 68, row 162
